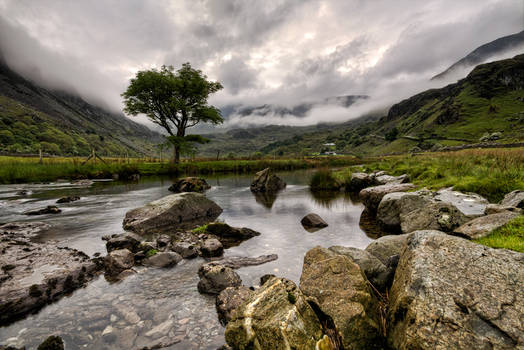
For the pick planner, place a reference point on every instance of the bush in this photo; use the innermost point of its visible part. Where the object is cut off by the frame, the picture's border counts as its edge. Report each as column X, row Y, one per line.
column 323, row 179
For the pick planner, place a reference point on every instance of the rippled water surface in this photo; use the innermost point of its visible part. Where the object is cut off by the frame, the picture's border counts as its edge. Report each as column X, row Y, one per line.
column 163, row 305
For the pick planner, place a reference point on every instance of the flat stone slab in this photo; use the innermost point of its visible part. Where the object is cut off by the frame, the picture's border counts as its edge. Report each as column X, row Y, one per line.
column 34, row 274
column 470, row 204
column 482, row 226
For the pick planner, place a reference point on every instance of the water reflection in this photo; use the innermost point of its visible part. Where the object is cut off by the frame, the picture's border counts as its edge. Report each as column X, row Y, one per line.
column 266, row 199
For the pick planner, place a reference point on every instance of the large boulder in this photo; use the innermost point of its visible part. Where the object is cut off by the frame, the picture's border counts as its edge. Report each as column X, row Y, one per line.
column 163, row 259
column 171, row 212
column 435, row 215
column 229, row 300
column 450, row 293
column 482, row 226
column 372, row 196
column 118, row 260
column 275, row 316
column 514, row 199
column 230, row 236
column 265, row 181
column 359, row 181
column 189, row 184
column 375, row 270
column 387, row 246
column 394, row 204
column 313, row 220
column 338, row 287
column 215, row 278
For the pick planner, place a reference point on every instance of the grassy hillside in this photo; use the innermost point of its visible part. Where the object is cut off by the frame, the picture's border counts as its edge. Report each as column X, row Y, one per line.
column 32, row 117
column 487, row 105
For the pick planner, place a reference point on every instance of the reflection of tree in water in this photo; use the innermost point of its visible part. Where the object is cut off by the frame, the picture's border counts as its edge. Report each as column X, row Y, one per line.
column 370, row 226
column 267, row 199
column 326, row 198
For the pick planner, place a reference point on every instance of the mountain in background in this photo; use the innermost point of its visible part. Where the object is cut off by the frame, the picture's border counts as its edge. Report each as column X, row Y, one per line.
column 64, row 124
column 507, row 46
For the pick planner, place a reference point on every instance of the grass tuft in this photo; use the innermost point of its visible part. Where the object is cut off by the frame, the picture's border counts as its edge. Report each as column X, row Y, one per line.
column 509, row 236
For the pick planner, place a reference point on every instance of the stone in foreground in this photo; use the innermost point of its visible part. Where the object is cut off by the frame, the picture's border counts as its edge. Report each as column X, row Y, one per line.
column 372, row 196
column 450, row 293
column 175, row 211
column 229, row 300
column 230, row 236
column 118, row 260
column 264, row 181
column 338, row 287
column 313, row 220
column 387, row 246
column 482, row 226
column 276, row 316
column 216, row 278
column 189, row 184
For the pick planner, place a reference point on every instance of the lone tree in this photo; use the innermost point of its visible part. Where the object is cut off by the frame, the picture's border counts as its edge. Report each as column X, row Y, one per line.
column 174, row 100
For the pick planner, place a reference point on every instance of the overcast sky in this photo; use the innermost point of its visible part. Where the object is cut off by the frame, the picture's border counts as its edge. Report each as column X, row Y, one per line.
column 266, row 51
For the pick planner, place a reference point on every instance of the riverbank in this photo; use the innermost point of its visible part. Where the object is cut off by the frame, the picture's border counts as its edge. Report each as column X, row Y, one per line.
column 26, row 170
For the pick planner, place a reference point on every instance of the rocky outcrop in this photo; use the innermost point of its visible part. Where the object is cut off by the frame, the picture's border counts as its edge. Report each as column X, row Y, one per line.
column 172, row 212
column 229, row 300
column 50, row 209
column 118, row 260
column 230, row 236
column 482, row 226
column 216, row 278
column 313, row 221
column 450, row 293
column 68, row 199
column 338, row 287
column 388, row 246
column 265, row 181
column 372, row 196
column 163, row 259
column 189, row 184
column 275, row 316
column 514, row 199
column 34, row 274
column 375, row 270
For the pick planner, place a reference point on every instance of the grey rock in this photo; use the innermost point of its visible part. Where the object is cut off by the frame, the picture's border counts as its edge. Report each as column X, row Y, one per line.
column 216, row 278
column 387, row 246
column 372, row 196
column 68, row 199
column 275, row 316
column 450, row 293
column 163, row 259
column 230, row 236
column 441, row 216
column 482, row 226
column 359, row 181
column 375, row 270
column 338, row 287
column 50, row 209
column 229, row 300
column 499, row 208
column 211, row 247
column 514, row 199
column 190, row 184
column 388, row 179
column 469, row 204
column 171, row 212
column 163, row 241
column 123, row 241
column 236, row 262
column 185, row 249
column 118, row 261
column 394, row 204
column 23, row 230
column 313, row 220
column 265, row 181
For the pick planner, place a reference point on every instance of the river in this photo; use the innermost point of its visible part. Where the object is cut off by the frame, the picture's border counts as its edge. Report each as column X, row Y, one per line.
column 164, row 304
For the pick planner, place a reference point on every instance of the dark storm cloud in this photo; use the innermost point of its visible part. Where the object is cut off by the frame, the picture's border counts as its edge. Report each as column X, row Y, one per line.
column 277, row 52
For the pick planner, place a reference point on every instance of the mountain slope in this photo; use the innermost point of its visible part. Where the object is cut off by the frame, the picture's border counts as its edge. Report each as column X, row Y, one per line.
column 484, row 53
column 489, row 101
column 32, row 117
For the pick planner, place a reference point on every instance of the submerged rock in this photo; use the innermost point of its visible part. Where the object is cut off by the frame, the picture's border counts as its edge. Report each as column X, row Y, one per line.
column 216, row 278
column 23, row 230
column 375, row 270
column 229, row 300
column 450, row 293
column 313, row 220
column 482, row 226
column 172, row 212
column 236, row 262
column 372, row 196
column 264, row 181
column 275, row 316
column 50, row 209
column 68, row 199
column 514, row 199
column 338, row 287
column 230, row 236
column 190, row 184
column 163, row 259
